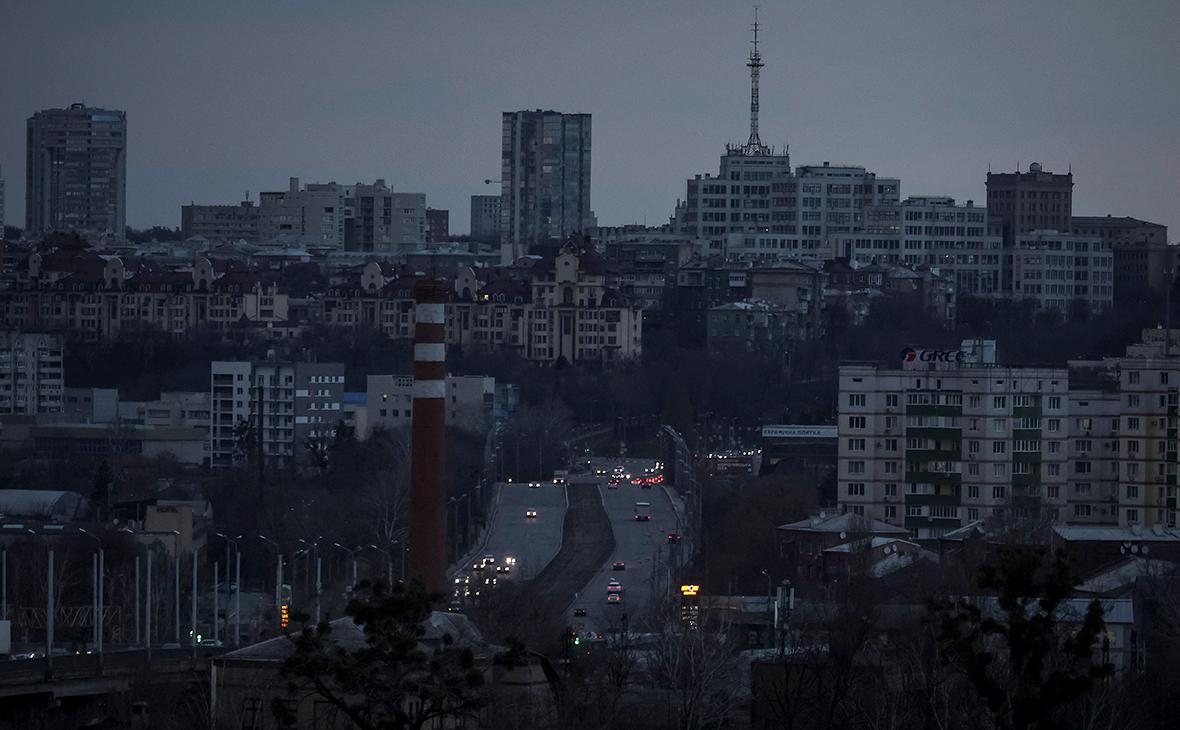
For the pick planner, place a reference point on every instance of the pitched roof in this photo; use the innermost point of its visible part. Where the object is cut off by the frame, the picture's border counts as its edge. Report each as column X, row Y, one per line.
column 843, row 522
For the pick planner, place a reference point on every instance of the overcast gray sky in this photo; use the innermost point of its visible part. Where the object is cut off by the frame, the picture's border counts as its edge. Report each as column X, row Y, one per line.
column 224, row 96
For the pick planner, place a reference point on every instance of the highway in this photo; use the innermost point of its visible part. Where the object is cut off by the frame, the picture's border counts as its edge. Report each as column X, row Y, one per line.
column 643, row 548
column 532, row 541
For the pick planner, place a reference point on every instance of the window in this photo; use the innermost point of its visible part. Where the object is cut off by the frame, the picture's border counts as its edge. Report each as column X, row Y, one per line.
column 856, row 467
column 1054, row 402
column 999, row 425
column 1053, row 425
column 856, row 421
column 999, row 447
column 973, row 470
column 974, row 401
column 1053, row 470
column 973, row 492
column 891, row 444
column 890, row 511
column 999, row 492
column 999, row 470
column 972, row 514
column 1054, row 492
column 1132, row 491
column 856, row 489
column 1133, row 446
column 1081, row 510
column 1133, row 377
column 1163, row 378
column 856, row 444
column 999, row 401
column 891, row 467
column 1133, row 423
column 972, row 447
column 856, row 399
column 891, row 400
column 1082, row 467
column 1054, row 446
column 1133, row 400
column 1132, row 515
column 890, row 490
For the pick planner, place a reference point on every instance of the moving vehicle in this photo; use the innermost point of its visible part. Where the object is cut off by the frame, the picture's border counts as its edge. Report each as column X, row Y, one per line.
column 614, row 598
column 530, row 514
column 560, row 477
column 618, row 565
column 643, row 511
column 488, row 559
column 614, row 586
column 673, row 538
column 613, row 483
column 600, row 472
column 534, row 485
column 503, row 568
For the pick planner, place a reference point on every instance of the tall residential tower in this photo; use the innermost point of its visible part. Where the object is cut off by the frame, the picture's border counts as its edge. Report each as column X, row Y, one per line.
column 76, row 171
column 545, row 179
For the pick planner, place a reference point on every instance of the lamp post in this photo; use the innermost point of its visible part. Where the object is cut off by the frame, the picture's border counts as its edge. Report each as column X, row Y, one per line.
column 278, row 576
column 98, row 564
column 176, row 579
column 48, row 604
column 138, row 636
column 352, row 556
column 388, row 561
column 237, row 584
column 314, row 546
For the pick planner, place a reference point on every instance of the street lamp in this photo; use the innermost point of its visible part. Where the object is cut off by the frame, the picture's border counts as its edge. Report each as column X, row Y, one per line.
column 389, row 559
column 97, row 569
column 278, row 575
column 48, row 604
column 237, row 584
column 352, row 556
column 314, row 546
column 138, row 615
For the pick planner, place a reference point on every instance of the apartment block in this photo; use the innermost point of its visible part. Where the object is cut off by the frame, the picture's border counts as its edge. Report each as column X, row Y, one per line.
column 931, row 450
column 76, row 171
column 32, row 375
column 288, row 404
column 1057, row 270
column 945, row 440
column 485, row 217
column 221, row 222
column 438, row 225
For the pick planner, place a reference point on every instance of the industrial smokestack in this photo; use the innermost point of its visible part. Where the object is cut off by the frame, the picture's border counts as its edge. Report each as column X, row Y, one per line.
column 428, row 488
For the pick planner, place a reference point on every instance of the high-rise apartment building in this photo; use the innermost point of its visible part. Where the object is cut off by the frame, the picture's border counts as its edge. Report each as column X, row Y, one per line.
column 485, row 217
column 438, row 225
column 545, row 179
column 288, row 406
column 946, row 439
column 378, row 219
column 76, row 170
column 32, row 376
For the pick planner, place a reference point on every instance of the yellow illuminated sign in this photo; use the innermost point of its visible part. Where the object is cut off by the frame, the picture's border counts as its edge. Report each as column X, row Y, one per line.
column 689, row 590
column 284, row 616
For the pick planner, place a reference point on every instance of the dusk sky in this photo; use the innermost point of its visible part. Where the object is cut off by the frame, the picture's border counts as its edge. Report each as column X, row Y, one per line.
column 228, row 96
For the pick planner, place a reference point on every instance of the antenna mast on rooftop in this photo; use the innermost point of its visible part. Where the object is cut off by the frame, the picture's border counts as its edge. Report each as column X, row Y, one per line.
column 754, row 146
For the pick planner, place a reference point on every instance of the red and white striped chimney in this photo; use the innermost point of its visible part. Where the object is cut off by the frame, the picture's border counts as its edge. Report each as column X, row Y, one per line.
column 428, row 486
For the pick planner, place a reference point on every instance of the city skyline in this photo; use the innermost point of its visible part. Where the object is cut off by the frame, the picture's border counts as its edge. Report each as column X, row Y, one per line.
column 916, row 106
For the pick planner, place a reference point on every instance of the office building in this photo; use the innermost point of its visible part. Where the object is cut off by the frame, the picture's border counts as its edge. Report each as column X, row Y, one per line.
column 311, row 215
column 758, row 207
column 288, row 404
column 438, row 225
column 1062, row 271
column 485, row 217
column 931, row 231
column 470, row 401
column 220, row 222
column 1037, row 200
column 32, row 374
column 545, row 179
column 76, row 171
column 1144, row 263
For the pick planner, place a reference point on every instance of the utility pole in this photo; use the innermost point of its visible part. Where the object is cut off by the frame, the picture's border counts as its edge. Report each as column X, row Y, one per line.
column 216, row 602
column 194, row 604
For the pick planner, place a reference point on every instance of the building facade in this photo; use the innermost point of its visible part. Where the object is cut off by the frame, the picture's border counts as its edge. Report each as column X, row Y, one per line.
column 291, row 408
column 1062, row 270
column 220, row 222
column 485, row 217
column 471, row 401
column 76, row 171
column 32, row 373
column 438, row 225
column 1037, row 200
column 545, row 179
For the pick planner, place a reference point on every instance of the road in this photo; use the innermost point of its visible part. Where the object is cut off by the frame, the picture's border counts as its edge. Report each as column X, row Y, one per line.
column 642, row 546
column 532, row 541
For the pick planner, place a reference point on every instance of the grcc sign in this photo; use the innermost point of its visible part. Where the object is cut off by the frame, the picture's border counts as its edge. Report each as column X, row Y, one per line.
column 911, row 357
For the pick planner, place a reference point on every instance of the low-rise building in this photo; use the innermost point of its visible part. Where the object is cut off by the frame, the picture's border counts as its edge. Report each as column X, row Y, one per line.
column 471, row 402
column 32, row 374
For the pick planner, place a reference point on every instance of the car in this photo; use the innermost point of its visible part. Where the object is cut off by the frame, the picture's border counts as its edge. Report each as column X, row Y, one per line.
column 614, row 598
column 503, row 568
column 614, row 587
column 558, row 481
column 613, row 483
column 455, row 607
column 530, row 514
column 618, row 565
column 673, row 538
column 478, row 566
column 600, row 472
column 637, row 481
column 620, row 469
column 488, row 559
column 509, row 560
column 209, row 642
column 534, row 485
column 579, row 612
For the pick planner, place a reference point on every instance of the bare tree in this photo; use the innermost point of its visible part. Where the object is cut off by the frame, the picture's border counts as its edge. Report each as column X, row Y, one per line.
column 694, row 669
